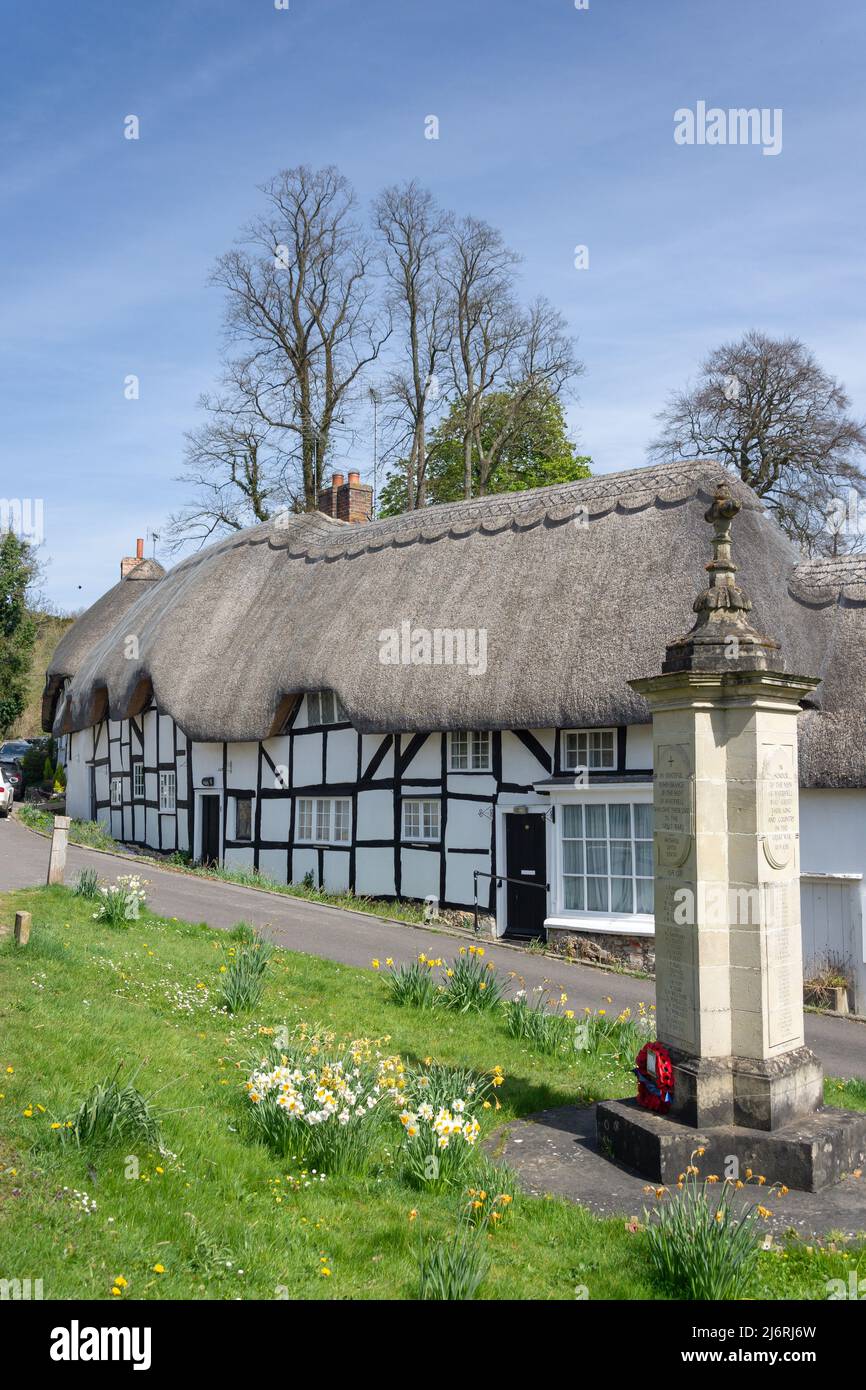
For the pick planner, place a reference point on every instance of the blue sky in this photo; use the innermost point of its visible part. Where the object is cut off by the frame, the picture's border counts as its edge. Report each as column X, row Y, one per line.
column 556, row 125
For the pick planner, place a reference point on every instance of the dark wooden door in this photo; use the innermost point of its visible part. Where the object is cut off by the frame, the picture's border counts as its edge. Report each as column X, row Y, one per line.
column 526, row 861
column 210, row 829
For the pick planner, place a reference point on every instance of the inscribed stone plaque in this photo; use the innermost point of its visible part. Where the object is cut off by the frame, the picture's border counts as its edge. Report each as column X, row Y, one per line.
column 777, row 814
column 673, row 804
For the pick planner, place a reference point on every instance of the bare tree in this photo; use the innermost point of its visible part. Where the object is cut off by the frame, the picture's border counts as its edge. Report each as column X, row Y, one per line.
column 765, row 408
column 238, row 475
column 498, row 346
column 412, row 230
column 300, row 305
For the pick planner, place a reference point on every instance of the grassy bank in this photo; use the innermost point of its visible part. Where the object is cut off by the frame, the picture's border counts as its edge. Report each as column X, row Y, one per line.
column 218, row 1215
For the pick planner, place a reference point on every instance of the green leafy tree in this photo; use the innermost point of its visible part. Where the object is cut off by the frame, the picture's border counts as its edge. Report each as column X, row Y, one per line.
column 540, row 455
column 17, row 627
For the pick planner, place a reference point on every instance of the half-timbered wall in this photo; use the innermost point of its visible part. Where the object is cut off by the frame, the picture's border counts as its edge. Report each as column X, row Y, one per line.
column 375, row 773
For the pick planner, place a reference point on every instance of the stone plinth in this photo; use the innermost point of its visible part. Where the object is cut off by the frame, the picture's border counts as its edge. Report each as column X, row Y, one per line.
column 806, row 1154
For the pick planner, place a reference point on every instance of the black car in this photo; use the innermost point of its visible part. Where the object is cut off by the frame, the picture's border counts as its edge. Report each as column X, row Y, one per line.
column 13, row 775
column 14, row 749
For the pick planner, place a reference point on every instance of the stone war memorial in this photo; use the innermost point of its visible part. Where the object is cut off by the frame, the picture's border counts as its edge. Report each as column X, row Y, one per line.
column 738, row 1079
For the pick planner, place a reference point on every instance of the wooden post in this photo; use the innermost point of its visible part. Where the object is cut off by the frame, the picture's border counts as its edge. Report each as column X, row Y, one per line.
column 22, row 928
column 57, row 862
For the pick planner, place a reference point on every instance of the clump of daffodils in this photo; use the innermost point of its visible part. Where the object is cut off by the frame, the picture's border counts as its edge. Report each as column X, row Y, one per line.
column 468, row 983
column 440, row 1125
column 328, row 1108
column 121, row 900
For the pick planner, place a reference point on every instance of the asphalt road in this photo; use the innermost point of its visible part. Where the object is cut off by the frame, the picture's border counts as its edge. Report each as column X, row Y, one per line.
column 355, row 938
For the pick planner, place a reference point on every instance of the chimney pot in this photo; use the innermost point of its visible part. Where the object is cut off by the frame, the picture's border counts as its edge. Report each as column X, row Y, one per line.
column 139, row 548
column 354, row 479
column 337, row 480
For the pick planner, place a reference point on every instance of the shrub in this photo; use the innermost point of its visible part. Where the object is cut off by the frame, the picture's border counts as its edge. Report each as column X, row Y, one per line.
column 326, row 1107
column 452, row 1270
column 111, row 1114
column 121, row 900
column 702, row 1249
column 87, row 884
column 244, row 982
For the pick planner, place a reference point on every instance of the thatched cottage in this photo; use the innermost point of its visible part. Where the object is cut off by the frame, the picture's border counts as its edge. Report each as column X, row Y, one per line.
column 389, row 706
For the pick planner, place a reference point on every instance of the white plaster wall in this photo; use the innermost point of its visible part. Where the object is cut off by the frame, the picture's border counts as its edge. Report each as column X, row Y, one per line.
column 518, row 764
column 374, row 872
column 336, row 869
column 150, row 725
column 239, row 858
column 242, row 767
column 376, row 817
column 465, row 828
column 833, row 831
column 427, row 762
column 342, row 756
column 276, row 818
column 307, row 761
column 305, row 861
column 471, row 783
column 272, row 863
column 458, row 878
column 420, row 873
column 207, row 761
column 370, row 744
column 639, row 747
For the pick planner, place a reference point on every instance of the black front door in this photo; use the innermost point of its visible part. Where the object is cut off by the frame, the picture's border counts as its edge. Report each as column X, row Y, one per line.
column 526, row 861
column 210, row 829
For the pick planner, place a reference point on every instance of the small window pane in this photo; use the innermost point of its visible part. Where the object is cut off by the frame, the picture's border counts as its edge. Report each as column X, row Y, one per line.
column 644, row 895
column 620, row 857
column 342, row 813
column 643, row 820
column 574, row 894
column 481, row 751
column 621, row 895
column 596, row 822
column 305, row 819
column 643, row 852
column 431, row 820
column 243, row 818
column 572, row 822
column 620, row 821
column 596, row 894
column 460, row 749
column 596, row 857
column 323, row 820
column 572, row 856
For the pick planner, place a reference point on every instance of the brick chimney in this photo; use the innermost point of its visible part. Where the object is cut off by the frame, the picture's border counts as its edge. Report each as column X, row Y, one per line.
column 129, row 562
column 347, row 501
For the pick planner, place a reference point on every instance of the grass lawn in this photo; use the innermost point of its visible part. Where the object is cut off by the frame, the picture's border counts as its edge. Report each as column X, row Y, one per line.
column 222, row 1215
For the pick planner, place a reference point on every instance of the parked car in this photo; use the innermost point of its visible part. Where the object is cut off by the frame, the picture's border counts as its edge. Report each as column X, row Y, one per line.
column 14, row 749
column 6, row 794
column 12, row 773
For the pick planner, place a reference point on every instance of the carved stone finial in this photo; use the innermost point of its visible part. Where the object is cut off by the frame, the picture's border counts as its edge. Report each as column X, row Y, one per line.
column 722, row 638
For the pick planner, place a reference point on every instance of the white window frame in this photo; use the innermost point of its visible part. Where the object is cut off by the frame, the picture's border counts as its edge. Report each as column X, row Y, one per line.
column 138, row 771
column 477, row 750
column 331, row 814
column 426, row 806
column 316, row 709
column 582, row 758
column 115, row 792
column 167, row 792
column 633, row 924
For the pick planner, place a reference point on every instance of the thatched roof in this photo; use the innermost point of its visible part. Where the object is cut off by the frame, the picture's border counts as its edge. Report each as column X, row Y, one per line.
column 579, row 588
